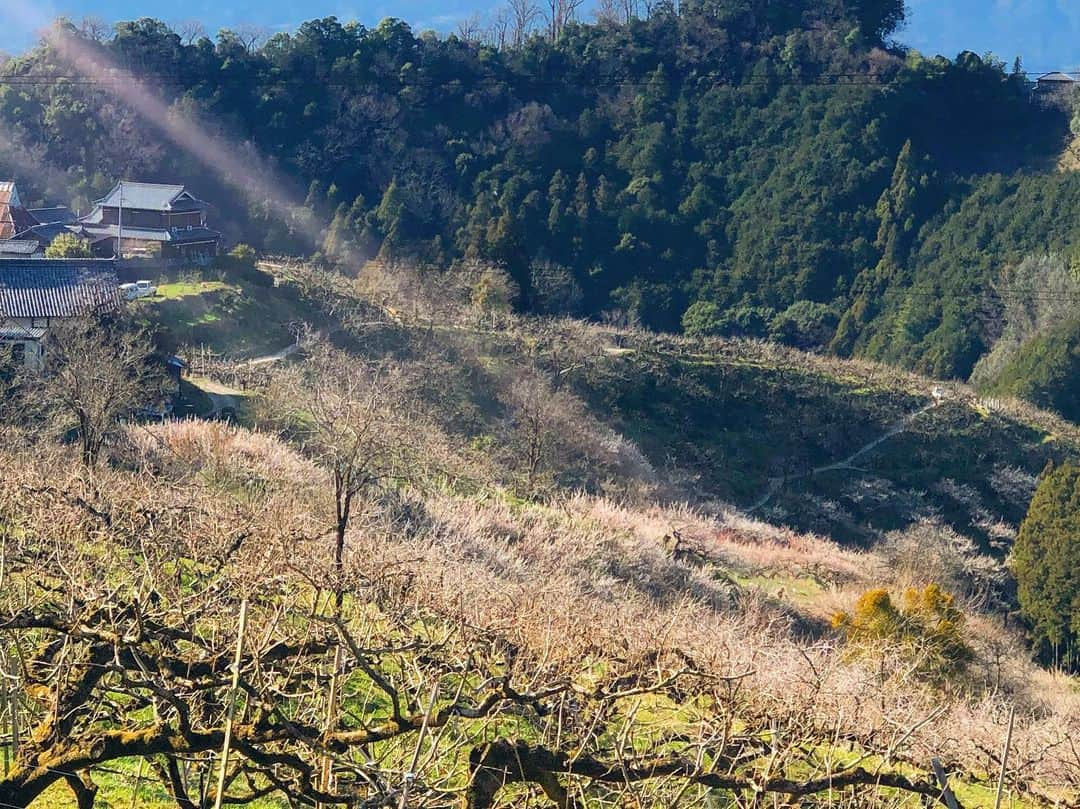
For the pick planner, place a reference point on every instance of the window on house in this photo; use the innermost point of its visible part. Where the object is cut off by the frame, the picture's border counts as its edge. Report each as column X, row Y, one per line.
column 18, row 353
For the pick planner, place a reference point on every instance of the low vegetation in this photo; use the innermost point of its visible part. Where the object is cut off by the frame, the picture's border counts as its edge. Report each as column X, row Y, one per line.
column 926, row 629
column 454, row 575
column 68, row 245
column 224, row 312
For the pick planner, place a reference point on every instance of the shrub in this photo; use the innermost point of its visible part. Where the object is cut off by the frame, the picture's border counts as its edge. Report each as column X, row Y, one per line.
column 929, row 552
column 68, row 245
column 243, row 255
column 927, row 629
column 805, row 324
column 493, row 294
column 703, row 319
column 707, row 319
column 241, row 263
column 555, row 291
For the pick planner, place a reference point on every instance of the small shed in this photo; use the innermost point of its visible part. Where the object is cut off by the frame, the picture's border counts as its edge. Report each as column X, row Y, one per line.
column 1056, row 86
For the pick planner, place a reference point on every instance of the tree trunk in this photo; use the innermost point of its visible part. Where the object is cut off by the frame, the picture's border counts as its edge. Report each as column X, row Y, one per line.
column 495, row 765
column 169, row 775
column 83, row 788
column 24, row 786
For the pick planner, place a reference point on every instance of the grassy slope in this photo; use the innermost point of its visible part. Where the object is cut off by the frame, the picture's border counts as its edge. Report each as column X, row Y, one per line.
column 743, row 423
column 722, row 419
column 740, row 419
column 235, row 316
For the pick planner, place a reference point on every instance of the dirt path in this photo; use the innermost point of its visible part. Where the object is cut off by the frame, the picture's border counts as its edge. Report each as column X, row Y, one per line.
column 778, row 483
column 221, row 397
column 225, row 399
column 267, row 359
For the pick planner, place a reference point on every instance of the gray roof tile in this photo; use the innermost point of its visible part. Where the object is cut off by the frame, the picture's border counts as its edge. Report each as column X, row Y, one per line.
column 22, row 247
column 57, row 287
column 179, row 235
column 148, row 197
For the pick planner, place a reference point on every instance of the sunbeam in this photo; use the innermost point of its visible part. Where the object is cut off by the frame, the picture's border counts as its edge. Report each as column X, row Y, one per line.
column 253, row 175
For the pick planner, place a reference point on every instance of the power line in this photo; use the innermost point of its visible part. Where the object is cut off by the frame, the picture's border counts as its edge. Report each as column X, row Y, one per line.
column 572, row 77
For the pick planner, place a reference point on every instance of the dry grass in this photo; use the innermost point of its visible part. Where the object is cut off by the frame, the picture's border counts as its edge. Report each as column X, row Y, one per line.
column 589, row 583
column 593, row 591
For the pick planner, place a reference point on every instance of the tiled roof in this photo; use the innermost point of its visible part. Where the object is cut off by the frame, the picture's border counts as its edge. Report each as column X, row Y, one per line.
column 23, row 247
column 48, row 216
column 14, row 218
column 21, row 332
column 49, row 231
column 9, row 194
column 57, row 288
column 1057, row 76
column 179, row 235
column 148, row 197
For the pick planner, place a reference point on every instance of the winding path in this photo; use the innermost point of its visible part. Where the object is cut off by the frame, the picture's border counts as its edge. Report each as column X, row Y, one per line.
column 222, row 397
column 778, row 483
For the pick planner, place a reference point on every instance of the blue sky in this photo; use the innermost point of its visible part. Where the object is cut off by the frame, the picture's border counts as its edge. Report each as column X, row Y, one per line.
column 1045, row 33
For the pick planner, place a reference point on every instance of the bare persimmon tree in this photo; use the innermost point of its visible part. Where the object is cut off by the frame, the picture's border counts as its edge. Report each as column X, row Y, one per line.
column 97, row 370
column 351, row 418
column 120, row 597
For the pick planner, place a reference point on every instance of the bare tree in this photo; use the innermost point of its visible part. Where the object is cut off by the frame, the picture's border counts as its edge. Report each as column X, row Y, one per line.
column 95, row 28
column 560, row 14
column 119, row 602
column 345, row 414
column 120, row 660
column 471, row 29
column 97, row 371
column 607, row 11
column 252, row 36
column 539, row 420
column 190, row 31
column 523, row 16
column 616, row 11
column 499, row 28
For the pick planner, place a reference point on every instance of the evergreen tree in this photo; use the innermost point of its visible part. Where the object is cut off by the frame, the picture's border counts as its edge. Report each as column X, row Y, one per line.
column 1046, row 561
column 899, row 208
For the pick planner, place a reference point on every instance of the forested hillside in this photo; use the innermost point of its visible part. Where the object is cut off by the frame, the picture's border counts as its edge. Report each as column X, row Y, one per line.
column 734, row 167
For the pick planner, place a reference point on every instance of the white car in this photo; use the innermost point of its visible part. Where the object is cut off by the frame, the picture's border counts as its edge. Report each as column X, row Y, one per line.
column 139, row 289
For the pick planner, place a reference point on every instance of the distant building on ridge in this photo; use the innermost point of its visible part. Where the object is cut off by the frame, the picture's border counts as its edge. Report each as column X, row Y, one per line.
column 1056, row 88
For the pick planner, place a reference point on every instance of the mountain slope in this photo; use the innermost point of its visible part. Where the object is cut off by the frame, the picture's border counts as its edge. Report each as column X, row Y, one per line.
column 845, row 448
column 737, row 168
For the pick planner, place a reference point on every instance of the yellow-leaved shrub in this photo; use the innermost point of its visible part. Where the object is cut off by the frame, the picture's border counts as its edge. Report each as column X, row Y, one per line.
column 927, row 629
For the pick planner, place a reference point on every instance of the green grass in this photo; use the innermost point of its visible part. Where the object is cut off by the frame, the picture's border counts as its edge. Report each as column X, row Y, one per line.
column 235, row 318
column 176, row 290
column 803, row 591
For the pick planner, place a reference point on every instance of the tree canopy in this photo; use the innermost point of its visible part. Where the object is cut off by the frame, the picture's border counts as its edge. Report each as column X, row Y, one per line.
column 727, row 156
column 1046, row 563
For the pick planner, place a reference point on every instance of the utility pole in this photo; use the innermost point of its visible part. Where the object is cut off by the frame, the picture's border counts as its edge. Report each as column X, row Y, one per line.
column 1005, row 758
column 120, row 224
